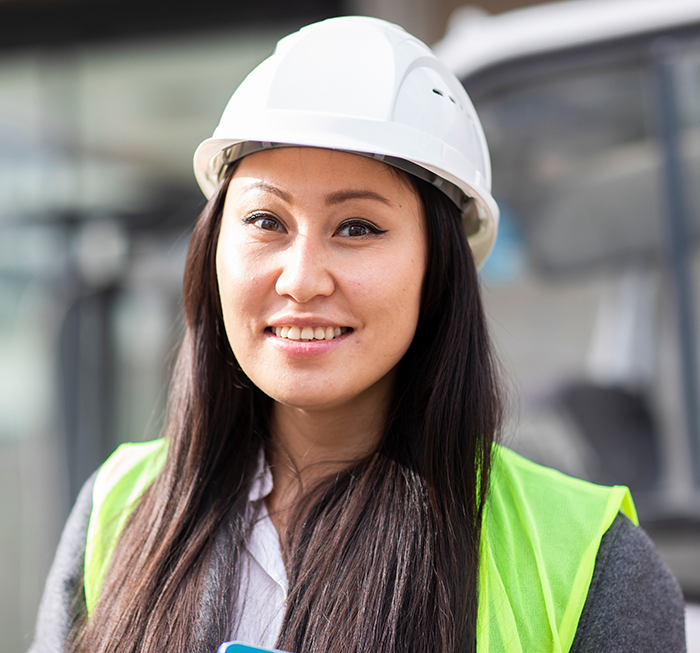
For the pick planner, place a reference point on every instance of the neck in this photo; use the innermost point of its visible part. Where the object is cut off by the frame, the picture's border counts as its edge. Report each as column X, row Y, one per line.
column 308, row 445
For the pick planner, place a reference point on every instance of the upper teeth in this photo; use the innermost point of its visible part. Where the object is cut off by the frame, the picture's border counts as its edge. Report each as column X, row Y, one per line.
column 309, row 333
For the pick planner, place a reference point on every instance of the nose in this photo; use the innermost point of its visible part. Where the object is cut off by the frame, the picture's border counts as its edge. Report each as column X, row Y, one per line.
column 305, row 271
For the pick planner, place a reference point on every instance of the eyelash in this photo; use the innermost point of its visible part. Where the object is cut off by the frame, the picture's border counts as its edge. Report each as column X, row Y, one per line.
column 372, row 229
column 252, row 219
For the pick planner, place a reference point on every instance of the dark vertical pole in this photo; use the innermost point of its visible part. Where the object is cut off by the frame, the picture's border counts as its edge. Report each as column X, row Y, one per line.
column 87, row 364
column 678, row 236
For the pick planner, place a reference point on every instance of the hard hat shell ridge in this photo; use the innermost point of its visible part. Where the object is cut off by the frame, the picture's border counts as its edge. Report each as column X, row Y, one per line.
column 366, row 86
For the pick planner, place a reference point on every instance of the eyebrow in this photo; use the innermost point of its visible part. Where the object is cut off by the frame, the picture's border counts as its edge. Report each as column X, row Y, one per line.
column 345, row 195
column 333, row 198
column 269, row 188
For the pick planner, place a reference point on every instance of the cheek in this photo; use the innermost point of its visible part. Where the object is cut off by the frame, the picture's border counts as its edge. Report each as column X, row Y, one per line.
column 393, row 288
column 228, row 276
column 408, row 293
column 238, row 284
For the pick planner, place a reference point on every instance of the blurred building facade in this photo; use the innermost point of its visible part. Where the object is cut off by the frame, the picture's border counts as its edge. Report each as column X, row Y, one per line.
column 101, row 107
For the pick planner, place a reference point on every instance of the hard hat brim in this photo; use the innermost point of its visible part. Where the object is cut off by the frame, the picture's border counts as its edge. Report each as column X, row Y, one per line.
column 303, row 130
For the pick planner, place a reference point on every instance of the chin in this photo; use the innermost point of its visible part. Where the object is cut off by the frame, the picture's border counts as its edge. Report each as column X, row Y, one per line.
column 309, row 401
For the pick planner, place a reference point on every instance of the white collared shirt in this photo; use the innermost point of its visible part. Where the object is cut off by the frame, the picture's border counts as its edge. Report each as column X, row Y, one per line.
column 261, row 601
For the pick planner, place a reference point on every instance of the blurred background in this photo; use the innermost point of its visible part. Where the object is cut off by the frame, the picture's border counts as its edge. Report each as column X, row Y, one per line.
column 592, row 112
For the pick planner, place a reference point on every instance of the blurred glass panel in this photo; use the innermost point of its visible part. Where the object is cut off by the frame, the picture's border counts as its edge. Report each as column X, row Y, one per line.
column 146, row 334
column 576, row 162
column 31, row 260
column 113, row 128
column 687, row 73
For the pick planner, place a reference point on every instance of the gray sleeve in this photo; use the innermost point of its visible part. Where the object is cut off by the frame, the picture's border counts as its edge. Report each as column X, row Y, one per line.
column 634, row 603
column 63, row 598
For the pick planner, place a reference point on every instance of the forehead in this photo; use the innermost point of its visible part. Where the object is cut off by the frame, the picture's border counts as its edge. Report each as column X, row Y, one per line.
column 308, row 169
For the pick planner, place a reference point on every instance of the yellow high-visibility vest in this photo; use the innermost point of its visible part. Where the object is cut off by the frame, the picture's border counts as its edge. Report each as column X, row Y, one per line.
column 540, row 537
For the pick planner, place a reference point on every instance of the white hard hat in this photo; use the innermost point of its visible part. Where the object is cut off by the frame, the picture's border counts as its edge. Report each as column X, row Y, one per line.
column 366, row 86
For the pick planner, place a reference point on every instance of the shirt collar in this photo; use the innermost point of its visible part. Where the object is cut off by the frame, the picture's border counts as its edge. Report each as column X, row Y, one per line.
column 262, row 480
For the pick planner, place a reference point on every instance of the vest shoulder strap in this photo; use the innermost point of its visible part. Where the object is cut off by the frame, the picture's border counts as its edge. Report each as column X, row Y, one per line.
column 118, row 486
column 540, row 537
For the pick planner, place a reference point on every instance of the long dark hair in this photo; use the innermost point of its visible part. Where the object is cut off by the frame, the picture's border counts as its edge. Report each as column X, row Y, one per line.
column 382, row 557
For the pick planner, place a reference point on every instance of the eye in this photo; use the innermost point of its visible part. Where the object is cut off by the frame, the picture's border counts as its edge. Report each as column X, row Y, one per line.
column 265, row 222
column 358, row 229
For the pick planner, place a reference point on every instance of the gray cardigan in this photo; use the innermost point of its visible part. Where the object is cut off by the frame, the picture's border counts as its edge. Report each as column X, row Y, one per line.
column 634, row 604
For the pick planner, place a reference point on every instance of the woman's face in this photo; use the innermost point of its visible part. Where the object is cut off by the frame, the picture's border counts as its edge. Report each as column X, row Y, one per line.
column 320, row 262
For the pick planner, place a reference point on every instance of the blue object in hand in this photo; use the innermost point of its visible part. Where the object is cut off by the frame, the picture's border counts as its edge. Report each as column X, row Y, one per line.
column 240, row 647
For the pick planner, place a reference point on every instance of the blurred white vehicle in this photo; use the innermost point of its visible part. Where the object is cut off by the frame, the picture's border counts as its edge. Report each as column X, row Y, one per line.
column 592, row 112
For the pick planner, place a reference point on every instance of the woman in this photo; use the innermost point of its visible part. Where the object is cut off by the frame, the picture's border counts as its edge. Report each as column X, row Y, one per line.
column 328, row 480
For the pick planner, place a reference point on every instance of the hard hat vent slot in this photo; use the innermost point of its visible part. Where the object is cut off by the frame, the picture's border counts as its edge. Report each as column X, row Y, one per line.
column 449, row 97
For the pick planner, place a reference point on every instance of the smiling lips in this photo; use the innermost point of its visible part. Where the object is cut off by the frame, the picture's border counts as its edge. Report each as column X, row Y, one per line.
column 309, row 333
